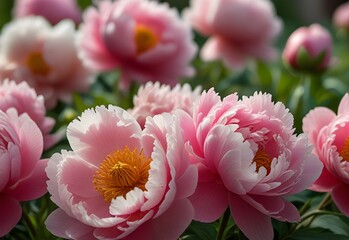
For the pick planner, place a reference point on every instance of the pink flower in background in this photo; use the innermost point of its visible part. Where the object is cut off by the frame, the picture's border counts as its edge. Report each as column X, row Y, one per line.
column 146, row 40
column 237, row 29
column 53, row 10
column 341, row 16
column 24, row 100
column 248, row 159
column 119, row 181
column 153, row 98
column 309, row 48
column 22, row 173
column 45, row 57
column 330, row 133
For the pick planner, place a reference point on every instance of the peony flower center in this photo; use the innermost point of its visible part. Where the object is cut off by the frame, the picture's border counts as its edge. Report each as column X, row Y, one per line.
column 37, row 64
column 120, row 172
column 344, row 153
column 262, row 159
column 145, row 39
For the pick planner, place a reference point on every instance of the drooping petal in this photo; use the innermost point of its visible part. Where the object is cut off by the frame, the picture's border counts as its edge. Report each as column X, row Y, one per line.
column 11, row 213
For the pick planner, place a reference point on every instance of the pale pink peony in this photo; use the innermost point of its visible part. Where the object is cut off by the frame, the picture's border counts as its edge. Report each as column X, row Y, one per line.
column 120, row 181
column 153, row 98
column 341, row 16
column 45, row 57
column 330, row 133
column 237, row 29
column 145, row 39
column 53, row 10
column 309, row 48
column 22, row 173
column 248, row 159
column 25, row 100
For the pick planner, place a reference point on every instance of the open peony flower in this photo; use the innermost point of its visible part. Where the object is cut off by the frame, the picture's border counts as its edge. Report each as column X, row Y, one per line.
column 120, row 181
column 330, row 133
column 45, row 57
column 53, row 10
column 237, row 29
column 22, row 173
column 25, row 100
column 153, row 98
column 248, row 159
column 145, row 39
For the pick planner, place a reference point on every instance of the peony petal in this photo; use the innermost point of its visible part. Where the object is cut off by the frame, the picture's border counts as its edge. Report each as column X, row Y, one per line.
column 254, row 224
column 343, row 105
column 5, row 169
column 33, row 186
column 210, row 200
column 315, row 120
column 340, row 195
column 11, row 213
column 325, row 183
column 61, row 225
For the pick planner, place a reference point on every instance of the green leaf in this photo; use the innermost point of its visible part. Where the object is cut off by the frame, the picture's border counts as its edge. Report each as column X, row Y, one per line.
column 199, row 231
column 316, row 233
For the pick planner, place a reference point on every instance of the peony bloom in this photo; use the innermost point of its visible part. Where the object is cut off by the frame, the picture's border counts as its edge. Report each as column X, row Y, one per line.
column 309, row 49
column 146, row 40
column 235, row 36
column 45, row 57
column 329, row 134
column 341, row 16
column 120, row 181
column 24, row 100
column 53, row 10
column 153, row 98
column 22, row 173
column 249, row 159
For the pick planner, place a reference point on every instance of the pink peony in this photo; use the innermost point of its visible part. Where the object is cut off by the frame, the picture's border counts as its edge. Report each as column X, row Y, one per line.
column 248, row 159
column 22, row 173
column 341, row 16
column 120, row 181
column 24, row 100
column 146, row 40
column 329, row 134
column 45, row 57
column 309, row 48
column 53, row 10
column 153, row 98
column 237, row 29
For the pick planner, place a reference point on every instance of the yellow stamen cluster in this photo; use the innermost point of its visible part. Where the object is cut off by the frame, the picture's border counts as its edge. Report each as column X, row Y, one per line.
column 145, row 39
column 37, row 64
column 120, row 172
column 262, row 159
column 344, row 153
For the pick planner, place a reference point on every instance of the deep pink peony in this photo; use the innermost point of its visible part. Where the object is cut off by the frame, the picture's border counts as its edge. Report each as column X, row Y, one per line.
column 45, row 57
column 25, row 100
column 248, row 159
column 146, row 40
column 22, row 173
column 120, row 181
column 53, row 10
column 153, row 98
column 329, row 134
column 341, row 16
column 237, row 29
column 309, row 48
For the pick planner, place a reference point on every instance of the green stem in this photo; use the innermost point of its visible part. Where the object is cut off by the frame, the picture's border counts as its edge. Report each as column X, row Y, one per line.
column 223, row 225
column 29, row 223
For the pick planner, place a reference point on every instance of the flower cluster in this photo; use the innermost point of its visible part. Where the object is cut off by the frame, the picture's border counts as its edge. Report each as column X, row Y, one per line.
column 135, row 119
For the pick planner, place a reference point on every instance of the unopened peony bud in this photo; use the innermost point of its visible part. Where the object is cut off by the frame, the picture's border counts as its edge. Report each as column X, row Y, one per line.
column 341, row 16
column 309, row 49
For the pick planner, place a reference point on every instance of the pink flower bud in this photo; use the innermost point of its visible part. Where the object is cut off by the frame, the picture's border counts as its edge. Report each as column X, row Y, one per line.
column 53, row 10
column 309, row 49
column 341, row 16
